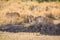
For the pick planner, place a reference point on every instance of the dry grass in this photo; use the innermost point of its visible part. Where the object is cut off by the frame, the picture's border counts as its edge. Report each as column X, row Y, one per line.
column 25, row 9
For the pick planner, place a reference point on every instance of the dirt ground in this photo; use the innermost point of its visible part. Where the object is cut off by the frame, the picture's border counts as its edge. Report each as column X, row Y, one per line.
column 26, row 36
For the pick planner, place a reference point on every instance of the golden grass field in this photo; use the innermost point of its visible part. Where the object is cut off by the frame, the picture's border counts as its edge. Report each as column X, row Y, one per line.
column 25, row 9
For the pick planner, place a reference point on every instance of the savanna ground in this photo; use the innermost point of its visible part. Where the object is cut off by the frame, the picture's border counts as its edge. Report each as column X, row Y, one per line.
column 24, row 9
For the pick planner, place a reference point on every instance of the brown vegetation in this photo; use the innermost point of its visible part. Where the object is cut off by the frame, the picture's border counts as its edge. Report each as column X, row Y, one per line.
column 30, row 16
